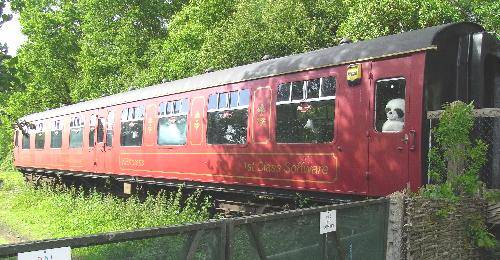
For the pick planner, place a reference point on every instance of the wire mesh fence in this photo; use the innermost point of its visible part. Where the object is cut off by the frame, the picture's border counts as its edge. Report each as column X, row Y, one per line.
column 361, row 234
column 487, row 128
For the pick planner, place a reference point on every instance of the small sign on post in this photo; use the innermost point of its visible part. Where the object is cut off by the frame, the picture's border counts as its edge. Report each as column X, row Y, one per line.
column 61, row 253
column 327, row 221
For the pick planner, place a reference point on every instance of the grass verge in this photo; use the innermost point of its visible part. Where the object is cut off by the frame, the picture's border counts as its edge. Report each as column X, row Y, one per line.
column 45, row 213
column 3, row 241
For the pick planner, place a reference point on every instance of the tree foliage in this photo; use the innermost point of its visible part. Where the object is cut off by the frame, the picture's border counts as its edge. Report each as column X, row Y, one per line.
column 80, row 50
column 455, row 160
column 116, row 36
column 3, row 16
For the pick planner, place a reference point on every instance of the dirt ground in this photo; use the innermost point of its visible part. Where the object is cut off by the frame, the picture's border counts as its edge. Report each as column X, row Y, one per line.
column 10, row 235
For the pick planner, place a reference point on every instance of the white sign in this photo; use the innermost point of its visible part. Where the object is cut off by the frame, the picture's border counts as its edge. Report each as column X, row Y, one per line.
column 62, row 253
column 327, row 221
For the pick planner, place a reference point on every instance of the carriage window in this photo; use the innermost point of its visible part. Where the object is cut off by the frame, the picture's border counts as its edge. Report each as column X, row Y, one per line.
column 109, row 129
column 76, row 132
column 172, row 127
column 298, row 90
column 26, row 138
column 132, row 121
column 313, row 88
column 39, row 136
column 390, row 105
column 305, row 111
column 56, row 134
column 92, row 124
column 228, row 119
column 283, row 92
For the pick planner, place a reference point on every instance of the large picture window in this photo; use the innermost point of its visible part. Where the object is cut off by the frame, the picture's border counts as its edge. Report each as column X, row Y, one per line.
column 228, row 117
column 56, row 134
column 39, row 136
column 76, row 132
column 305, row 111
column 172, row 122
column 132, row 121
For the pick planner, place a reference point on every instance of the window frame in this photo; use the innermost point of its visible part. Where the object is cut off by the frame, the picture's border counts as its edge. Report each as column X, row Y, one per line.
column 76, row 122
column 132, row 113
column 375, row 103
column 182, row 112
column 305, row 99
column 228, row 107
column 16, row 138
column 304, row 92
column 39, row 128
column 56, row 125
column 92, row 124
column 110, row 127
column 27, row 130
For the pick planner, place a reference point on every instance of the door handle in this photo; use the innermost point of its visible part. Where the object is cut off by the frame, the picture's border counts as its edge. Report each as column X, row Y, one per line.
column 413, row 141
column 404, row 139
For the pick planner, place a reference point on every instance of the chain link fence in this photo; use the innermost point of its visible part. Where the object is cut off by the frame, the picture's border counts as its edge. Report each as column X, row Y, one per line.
column 361, row 234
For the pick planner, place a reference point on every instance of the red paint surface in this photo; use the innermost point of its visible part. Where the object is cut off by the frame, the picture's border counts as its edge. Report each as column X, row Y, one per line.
column 358, row 161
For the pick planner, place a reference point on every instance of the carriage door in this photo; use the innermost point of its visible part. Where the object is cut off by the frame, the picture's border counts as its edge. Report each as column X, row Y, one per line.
column 104, row 140
column 16, row 145
column 91, row 162
column 391, row 132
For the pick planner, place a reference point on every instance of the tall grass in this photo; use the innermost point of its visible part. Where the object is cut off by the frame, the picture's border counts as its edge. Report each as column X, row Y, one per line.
column 47, row 213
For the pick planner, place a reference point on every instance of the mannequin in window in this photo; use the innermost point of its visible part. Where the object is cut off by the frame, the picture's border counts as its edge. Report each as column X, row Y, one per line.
column 395, row 111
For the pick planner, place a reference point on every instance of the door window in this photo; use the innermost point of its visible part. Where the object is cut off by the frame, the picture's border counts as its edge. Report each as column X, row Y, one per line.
column 100, row 130
column 109, row 129
column 92, row 124
column 390, row 105
column 16, row 142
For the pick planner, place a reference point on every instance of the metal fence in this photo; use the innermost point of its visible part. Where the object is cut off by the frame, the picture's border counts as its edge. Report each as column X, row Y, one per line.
column 486, row 128
column 361, row 234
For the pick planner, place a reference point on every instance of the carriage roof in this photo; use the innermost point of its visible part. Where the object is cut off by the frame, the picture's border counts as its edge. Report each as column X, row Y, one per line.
column 398, row 44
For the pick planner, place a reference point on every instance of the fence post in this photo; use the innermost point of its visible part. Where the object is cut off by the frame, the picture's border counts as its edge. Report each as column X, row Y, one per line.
column 229, row 226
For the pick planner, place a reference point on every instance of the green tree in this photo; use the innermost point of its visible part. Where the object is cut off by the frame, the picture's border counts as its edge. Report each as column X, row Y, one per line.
column 5, row 76
column 47, row 61
column 116, row 37
column 178, row 55
column 455, row 160
column 275, row 28
column 3, row 17
column 370, row 19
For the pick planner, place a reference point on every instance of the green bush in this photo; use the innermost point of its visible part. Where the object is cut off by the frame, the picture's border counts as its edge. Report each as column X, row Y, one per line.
column 455, row 162
column 45, row 212
column 455, row 159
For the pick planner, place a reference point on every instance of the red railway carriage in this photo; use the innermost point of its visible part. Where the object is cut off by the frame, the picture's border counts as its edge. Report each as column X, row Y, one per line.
column 348, row 119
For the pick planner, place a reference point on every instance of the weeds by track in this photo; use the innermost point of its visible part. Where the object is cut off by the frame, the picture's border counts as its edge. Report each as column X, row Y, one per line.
column 44, row 212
